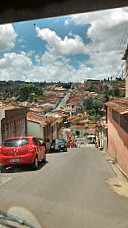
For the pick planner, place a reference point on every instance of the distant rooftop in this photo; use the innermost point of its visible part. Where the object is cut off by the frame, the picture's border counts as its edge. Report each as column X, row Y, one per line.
column 120, row 105
column 9, row 107
column 34, row 117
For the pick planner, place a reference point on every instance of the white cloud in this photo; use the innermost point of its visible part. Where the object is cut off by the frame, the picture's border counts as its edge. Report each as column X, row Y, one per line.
column 66, row 22
column 20, row 67
column 15, row 66
column 7, row 37
column 58, row 47
column 108, row 34
column 31, row 53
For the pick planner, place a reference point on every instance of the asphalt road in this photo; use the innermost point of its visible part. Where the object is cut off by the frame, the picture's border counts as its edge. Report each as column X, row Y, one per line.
column 63, row 102
column 69, row 191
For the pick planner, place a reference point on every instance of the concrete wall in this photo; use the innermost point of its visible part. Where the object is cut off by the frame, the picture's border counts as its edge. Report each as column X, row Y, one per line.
column 35, row 129
column 13, row 123
column 117, row 143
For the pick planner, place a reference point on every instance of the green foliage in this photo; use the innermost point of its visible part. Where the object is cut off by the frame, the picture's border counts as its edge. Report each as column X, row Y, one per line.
column 92, row 88
column 97, row 105
column 93, row 107
column 101, row 87
column 116, row 92
column 118, row 79
column 88, row 103
column 106, row 88
column 30, row 92
column 66, row 85
column 106, row 98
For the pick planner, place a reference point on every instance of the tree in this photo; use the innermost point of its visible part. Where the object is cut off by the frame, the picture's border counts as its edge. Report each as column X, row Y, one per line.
column 66, row 85
column 29, row 92
column 116, row 92
column 101, row 87
column 106, row 88
column 118, row 79
column 92, row 88
column 106, row 98
column 88, row 103
column 97, row 105
column 93, row 107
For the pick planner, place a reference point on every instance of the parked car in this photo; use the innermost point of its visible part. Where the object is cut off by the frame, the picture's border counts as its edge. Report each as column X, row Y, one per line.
column 91, row 139
column 22, row 150
column 58, row 145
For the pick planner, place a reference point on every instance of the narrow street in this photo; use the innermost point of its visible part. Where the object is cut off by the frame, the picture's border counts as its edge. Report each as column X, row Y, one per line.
column 63, row 101
column 69, row 191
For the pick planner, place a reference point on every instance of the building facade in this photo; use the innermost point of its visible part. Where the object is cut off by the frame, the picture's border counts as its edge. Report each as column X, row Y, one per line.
column 45, row 128
column 102, row 134
column 13, row 122
column 117, row 115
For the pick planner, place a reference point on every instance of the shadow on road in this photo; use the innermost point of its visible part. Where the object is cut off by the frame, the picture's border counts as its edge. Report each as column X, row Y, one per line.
column 57, row 152
column 22, row 168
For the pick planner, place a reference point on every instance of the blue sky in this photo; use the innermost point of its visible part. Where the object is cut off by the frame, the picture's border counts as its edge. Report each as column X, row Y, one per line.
column 72, row 48
column 27, row 39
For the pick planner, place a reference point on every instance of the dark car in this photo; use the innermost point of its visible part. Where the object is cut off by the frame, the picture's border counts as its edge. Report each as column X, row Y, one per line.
column 58, row 145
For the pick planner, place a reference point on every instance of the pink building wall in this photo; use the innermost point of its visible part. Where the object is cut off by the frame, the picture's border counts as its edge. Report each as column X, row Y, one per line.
column 117, row 143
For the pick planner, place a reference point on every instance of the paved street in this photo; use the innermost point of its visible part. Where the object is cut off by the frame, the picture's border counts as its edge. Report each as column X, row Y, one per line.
column 63, row 102
column 69, row 191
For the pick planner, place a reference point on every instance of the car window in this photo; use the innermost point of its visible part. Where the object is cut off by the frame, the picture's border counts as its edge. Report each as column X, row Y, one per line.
column 59, row 141
column 35, row 141
column 16, row 142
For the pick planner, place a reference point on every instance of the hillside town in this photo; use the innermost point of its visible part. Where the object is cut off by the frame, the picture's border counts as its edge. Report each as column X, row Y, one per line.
column 54, row 110
column 94, row 110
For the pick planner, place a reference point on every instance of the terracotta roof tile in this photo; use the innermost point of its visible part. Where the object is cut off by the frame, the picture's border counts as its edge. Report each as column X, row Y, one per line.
column 120, row 105
column 40, row 118
column 8, row 107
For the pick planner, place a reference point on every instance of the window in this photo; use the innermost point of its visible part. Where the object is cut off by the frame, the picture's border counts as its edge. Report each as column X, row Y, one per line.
column 35, row 141
column 124, row 122
column 115, row 116
column 16, row 142
column 59, row 140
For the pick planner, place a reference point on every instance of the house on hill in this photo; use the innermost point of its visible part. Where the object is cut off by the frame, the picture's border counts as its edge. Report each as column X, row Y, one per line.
column 46, row 128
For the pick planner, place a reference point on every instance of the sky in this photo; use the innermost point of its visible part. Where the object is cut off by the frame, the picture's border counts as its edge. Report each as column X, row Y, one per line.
column 72, row 48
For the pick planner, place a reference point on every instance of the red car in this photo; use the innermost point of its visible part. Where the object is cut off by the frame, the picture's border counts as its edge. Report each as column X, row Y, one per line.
column 22, row 150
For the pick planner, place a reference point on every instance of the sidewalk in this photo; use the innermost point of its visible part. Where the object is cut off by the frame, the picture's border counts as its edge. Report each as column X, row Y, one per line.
column 119, row 184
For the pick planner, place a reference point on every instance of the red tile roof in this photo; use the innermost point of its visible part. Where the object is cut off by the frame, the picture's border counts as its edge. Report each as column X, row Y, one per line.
column 78, row 127
column 34, row 117
column 8, row 107
column 120, row 105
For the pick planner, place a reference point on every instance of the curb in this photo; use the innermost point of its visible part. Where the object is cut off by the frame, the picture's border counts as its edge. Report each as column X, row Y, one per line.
column 111, row 160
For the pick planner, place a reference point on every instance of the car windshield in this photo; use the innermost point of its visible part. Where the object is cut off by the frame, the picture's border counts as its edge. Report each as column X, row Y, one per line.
column 16, row 142
column 59, row 141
